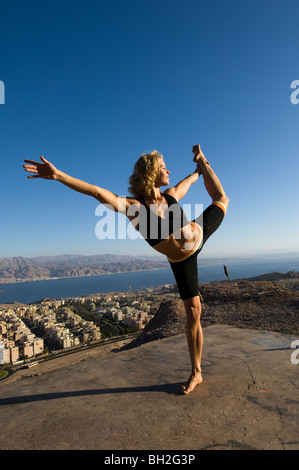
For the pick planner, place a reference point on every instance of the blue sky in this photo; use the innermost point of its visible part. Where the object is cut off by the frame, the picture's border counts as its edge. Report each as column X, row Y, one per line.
column 92, row 84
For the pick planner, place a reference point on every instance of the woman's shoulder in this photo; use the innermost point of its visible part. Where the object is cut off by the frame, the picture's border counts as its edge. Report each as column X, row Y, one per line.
column 170, row 195
column 131, row 201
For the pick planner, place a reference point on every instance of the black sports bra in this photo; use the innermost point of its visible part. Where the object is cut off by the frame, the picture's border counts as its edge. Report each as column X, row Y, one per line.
column 154, row 228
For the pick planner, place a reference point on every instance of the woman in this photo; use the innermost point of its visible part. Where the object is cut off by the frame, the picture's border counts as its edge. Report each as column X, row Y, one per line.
column 164, row 225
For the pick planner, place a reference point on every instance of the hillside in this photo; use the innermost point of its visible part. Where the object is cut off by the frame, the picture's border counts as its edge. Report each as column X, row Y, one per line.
column 46, row 267
column 261, row 305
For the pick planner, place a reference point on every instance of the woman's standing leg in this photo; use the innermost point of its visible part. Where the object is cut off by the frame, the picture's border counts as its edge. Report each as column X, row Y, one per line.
column 186, row 276
column 195, row 342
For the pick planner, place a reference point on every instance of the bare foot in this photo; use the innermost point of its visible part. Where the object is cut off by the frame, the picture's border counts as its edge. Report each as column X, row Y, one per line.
column 199, row 156
column 194, row 379
column 200, row 159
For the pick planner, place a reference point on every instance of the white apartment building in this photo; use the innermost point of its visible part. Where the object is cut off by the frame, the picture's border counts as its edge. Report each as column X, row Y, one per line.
column 5, row 356
column 2, row 353
column 115, row 313
column 28, row 349
column 33, row 348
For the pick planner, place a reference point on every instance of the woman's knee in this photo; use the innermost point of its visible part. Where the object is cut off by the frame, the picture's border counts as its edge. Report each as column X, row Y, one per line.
column 223, row 199
column 193, row 308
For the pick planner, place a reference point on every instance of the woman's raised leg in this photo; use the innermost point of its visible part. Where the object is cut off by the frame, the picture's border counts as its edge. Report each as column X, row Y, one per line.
column 211, row 181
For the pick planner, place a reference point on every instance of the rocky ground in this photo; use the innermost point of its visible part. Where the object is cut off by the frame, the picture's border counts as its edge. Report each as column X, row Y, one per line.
column 98, row 400
column 263, row 305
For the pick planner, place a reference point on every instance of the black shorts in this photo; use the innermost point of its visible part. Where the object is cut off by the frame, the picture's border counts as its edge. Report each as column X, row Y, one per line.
column 185, row 272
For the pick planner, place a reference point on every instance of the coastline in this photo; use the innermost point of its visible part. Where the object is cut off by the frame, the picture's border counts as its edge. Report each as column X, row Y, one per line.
column 19, row 281
column 203, row 262
column 137, row 279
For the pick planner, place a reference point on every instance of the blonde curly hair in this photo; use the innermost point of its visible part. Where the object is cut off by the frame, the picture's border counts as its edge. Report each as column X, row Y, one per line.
column 146, row 172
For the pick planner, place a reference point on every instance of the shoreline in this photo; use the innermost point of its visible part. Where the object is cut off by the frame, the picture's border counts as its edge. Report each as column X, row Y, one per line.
column 19, row 281
column 289, row 277
column 203, row 262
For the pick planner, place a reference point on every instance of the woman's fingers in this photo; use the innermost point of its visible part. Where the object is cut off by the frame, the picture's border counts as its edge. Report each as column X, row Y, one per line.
column 31, row 170
column 32, row 161
column 30, row 167
column 35, row 175
column 41, row 169
column 37, row 163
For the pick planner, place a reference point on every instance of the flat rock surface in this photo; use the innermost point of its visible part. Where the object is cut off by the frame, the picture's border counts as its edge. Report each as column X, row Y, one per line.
column 100, row 399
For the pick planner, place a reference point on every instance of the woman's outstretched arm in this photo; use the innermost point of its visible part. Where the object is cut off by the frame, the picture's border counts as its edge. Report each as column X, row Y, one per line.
column 178, row 191
column 47, row 170
column 183, row 186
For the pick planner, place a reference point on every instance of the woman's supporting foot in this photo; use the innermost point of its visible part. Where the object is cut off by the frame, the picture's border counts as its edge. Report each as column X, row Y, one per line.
column 194, row 380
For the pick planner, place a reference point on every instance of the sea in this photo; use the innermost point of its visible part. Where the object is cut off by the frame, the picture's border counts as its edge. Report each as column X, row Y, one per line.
column 33, row 291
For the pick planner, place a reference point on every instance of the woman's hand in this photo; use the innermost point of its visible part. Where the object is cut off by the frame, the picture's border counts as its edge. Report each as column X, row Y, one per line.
column 43, row 170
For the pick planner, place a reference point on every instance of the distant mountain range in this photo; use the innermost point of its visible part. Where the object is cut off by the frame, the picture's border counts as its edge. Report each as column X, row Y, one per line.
column 48, row 267
column 275, row 276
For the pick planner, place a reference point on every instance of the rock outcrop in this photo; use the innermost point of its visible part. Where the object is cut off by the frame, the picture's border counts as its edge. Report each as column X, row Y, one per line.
column 262, row 305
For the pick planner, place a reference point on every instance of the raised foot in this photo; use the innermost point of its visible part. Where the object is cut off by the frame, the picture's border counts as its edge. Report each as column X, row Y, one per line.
column 199, row 158
column 194, row 380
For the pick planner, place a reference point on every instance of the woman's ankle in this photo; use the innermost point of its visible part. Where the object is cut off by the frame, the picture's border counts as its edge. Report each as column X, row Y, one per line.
column 201, row 161
column 198, row 170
